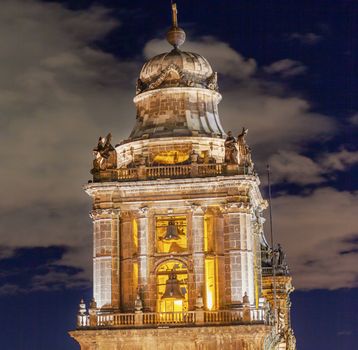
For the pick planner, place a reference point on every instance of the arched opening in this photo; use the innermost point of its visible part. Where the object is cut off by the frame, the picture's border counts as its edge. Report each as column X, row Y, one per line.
column 172, row 286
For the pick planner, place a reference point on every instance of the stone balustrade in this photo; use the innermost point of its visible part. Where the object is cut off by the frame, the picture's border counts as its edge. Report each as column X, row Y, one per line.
column 245, row 315
column 143, row 172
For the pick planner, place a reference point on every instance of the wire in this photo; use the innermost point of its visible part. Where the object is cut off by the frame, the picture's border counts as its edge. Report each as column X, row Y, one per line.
column 272, row 243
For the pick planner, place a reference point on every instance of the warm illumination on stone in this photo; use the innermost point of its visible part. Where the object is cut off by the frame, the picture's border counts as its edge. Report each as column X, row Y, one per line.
column 180, row 258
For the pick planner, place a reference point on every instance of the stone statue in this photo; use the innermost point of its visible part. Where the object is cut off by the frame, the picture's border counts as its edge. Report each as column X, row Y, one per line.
column 140, row 86
column 105, row 154
column 230, row 149
column 212, row 82
column 244, row 151
column 138, row 304
column 281, row 256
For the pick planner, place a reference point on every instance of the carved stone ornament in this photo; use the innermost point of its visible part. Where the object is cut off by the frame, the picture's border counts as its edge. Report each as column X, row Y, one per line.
column 105, row 155
column 244, row 151
column 172, row 68
column 212, row 82
column 230, row 149
column 99, row 213
column 143, row 210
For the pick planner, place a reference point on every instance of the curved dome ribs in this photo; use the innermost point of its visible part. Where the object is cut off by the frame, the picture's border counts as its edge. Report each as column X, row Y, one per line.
column 177, row 94
column 191, row 70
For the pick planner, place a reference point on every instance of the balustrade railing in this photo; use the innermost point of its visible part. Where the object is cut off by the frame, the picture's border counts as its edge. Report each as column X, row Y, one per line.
column 157, row 319
column 170, row 171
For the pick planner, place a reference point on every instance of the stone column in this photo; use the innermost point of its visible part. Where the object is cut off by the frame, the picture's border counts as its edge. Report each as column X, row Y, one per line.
column 198, row 249
column 219, row 248
column 143, row 255
column 239, row 267
column 128, row 293
column 106, row 267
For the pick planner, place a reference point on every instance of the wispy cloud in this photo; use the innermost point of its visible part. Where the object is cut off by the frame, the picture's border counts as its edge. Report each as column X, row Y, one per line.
column 354, row 119
column 35, row 269
column 58, row 93
column 286, row 68
column 306, row 38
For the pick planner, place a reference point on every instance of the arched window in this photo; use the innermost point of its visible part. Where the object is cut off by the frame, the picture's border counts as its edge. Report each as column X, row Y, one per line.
column 172, row 286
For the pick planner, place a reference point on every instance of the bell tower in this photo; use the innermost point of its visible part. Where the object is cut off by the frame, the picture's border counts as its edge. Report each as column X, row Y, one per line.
column 180, row 260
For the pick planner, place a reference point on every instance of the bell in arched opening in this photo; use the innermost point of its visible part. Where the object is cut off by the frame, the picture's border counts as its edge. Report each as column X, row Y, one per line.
column 172, row 231
column 172, row 288
column 172, row 299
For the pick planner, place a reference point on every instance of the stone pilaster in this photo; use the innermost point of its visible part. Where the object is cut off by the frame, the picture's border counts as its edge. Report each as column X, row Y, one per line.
column 239, row 263
column 143, row 255
column 106, row 267
column 128, row 259
column 219, row 248
column 198, row 249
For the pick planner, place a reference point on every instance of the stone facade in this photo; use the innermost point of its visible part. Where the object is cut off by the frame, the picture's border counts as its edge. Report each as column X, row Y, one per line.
column 180, row 260
column 188, row 338
column 233, row 201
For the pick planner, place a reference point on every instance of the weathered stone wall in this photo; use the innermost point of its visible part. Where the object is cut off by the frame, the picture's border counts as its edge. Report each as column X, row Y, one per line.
column 188, row 338
column 138, row 204
column 177, row 112
column 106, row 267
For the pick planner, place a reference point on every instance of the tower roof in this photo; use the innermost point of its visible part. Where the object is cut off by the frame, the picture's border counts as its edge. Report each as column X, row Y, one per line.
column 177, row 93
column 176, row 68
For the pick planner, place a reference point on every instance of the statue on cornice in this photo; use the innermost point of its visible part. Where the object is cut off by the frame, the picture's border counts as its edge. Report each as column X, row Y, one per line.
column 280, row 256
column 212, row 82
column 244, row 151
column 230, row 149
column 105, row 154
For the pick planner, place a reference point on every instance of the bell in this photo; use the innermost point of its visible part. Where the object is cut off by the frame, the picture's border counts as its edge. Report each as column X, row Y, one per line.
column 172, row 231
column 172, row 288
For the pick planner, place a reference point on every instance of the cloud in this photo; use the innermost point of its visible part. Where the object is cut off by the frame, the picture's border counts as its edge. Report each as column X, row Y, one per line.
column 277, row 119
column 315, row 229
column 286, row 68
column 59, row 92
column 340, row 160
column 354, row 119
column 36, row 269
column 295, row 168
column 306, row 38
column 292, row 167
column 223, row 58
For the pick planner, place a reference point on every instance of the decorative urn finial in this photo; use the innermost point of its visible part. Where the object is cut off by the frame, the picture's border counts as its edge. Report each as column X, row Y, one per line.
column 175, row 35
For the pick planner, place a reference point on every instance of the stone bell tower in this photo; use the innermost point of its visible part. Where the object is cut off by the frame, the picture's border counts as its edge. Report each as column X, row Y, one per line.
column 180, row 260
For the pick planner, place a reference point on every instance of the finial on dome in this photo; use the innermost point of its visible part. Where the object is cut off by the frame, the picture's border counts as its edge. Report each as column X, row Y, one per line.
column 174, row 15
column 175, row 35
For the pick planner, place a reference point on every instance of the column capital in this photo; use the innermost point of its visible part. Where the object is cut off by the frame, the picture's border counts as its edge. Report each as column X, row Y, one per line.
column 197, row 209
column 235, row 207
column 143, row 211
column 104, row 213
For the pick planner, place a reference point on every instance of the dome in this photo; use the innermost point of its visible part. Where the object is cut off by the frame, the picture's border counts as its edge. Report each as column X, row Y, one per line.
column 176, row 69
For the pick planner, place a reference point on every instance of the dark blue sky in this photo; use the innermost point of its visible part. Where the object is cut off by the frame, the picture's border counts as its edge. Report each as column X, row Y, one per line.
column 68, row 73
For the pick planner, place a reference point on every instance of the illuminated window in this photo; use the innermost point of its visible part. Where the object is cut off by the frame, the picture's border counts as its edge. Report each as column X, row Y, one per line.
column 172, row 287
column 135, row 235
column 171, row 234
column 171, row 157
column 209, row 233
column 135, row 278
column 210, row 284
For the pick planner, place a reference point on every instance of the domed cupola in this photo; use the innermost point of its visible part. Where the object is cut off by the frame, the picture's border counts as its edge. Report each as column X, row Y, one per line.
column 177, row 68
column 177, row 94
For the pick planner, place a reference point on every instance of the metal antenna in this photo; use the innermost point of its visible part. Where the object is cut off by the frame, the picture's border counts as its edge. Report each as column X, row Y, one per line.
column 272, row 243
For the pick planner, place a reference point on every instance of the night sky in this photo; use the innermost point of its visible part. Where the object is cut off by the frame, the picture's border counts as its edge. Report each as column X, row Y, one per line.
column 287, row 71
